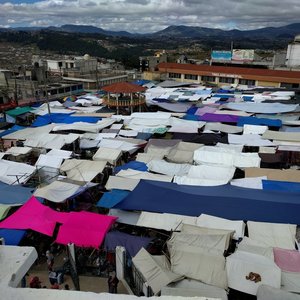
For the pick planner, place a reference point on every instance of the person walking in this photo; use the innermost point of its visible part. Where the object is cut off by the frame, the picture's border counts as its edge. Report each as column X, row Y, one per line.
column 113, row 283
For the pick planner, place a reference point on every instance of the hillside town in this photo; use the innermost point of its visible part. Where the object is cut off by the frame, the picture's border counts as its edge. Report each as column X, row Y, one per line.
column 180, row 178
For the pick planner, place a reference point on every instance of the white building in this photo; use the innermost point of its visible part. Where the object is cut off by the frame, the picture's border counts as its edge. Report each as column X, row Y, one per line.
column 293, row 53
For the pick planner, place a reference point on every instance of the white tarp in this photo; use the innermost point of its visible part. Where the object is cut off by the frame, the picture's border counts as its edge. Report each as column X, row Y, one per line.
column 248, row 140
column 168, row 222
column 108, row 154
column 58, row 191
column 185, row 126
column 183, row 152
column 148, row 157
column 157, row 275
column 49, row 161
column 254, row 129
column 171, row 169
column 125, row 217
column 16, row 151
column 60, row 153
column 134, row 174
column 290, row 281
column 15, row 173
column 82, row 170
column 190, row 287
column 265, row 292
column 30, row 132
column 227, row 157
column 268, row 108
column 237, row 148
column 215, row 126
column 220, row 223
column 249, row 183
column 84, row 126
column 122, row 183
column 240, row 264
column 186, row 180
column 273, row 234
column 205, row 265
column 212, row 172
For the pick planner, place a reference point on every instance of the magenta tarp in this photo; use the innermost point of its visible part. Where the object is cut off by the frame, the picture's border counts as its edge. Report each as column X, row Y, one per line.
column 287, row 260
column 85, row 229
column 35, row 216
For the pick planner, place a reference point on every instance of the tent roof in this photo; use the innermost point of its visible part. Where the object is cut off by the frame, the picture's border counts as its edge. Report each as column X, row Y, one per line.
column 225, row 201
column 18, row 111
column 123, row 87
column 14, row 194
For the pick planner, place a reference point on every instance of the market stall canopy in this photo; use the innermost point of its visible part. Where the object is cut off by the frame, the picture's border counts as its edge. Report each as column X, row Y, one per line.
column 123, row 87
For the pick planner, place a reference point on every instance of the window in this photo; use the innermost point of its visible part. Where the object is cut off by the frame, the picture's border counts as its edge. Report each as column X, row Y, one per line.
column 174, row 75
column 289, row 85
column 209, row 78
column 226, row 79
column 246, row 82
column 190, row 76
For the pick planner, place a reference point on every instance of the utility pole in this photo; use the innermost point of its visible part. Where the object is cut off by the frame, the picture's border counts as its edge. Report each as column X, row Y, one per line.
column 46, row 90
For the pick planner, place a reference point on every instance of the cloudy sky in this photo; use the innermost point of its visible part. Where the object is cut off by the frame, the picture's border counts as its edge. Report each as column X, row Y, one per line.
column 150, row 15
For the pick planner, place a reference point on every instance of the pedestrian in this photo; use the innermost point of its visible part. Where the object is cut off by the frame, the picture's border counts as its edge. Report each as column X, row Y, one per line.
column 35, row 283
column 50, row 260
column 113, row 283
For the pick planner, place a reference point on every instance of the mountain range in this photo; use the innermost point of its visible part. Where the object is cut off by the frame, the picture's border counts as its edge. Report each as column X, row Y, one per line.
column 180, row 31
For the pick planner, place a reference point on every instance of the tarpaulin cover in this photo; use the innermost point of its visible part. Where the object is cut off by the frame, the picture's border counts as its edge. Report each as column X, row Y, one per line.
column 18, row 111
column 287, row 260
column 36, row 216
column 135, row 165
column 62, row 118
column 110, row 199
column 14, row 195
column 4, row 209
column 259, row 121
column 84, row 229
column 131, row 243
column 219, row 118
column 226, row 201
column 12, row 237
column 11, row 130
column 266, row 292
column 273, row 185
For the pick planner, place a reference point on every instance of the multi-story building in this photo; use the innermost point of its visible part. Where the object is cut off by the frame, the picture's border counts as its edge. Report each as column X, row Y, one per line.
column 220, row 75
column 293, row 53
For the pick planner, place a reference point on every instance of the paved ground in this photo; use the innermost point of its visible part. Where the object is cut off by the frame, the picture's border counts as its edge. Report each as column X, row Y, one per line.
column 87, row 283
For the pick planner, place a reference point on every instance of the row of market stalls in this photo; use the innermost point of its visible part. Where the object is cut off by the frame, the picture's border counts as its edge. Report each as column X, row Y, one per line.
column 204, row 201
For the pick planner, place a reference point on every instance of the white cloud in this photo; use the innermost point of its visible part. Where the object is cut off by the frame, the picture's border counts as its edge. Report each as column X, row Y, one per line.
column 152, row 15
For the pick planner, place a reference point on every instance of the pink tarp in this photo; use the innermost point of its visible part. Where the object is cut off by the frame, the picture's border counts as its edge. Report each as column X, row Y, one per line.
column 36, row 216
column 81, row 228
column 85, row 229
column 287, row 260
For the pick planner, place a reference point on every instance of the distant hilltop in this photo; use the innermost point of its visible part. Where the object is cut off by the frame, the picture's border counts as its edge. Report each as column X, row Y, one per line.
column 180, row 31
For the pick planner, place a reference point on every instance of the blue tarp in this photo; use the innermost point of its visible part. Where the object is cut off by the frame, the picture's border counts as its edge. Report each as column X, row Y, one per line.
column 110, row 199
column 144, row 136
column 131, row 243
column 272, row 185
column 135, row 165
column 230, row 202
column 14, row 194
column 11, row 130
column 62, row 118
column 259, row 121
column 12, row 237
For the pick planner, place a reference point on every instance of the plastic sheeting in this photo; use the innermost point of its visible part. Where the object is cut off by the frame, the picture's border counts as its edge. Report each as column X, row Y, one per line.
column 84, row 229
column 112, row 198
column 259, row 121
column 14, row 194
column 241, row 263
column 265, row 292
column 168, row 222
column 227, row 157
column 193, row 262
column 132, row 244
column 15, row 173
column 219, row 223
column 287, row 260
column 211, row 172
column 134, row 174
column 16, row 151
column 157, row 275
column 49, row 161
column 108, row 154
column 82, row 170
column 274, row 174
column 272, row 234
column 171, row 169
column 222, row 127
column 122, row 183
column 282, row 136
column 135, row 165
column 125, row 217
column 249, row 140
column 12, row 237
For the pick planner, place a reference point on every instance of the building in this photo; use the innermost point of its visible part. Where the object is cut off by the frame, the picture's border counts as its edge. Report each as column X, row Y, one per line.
column 219, row 75
column 293, row 53
column 149, row 63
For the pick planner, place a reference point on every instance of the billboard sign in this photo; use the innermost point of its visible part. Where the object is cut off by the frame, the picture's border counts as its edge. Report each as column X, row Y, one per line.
column 221, row 55
column 242, row 55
